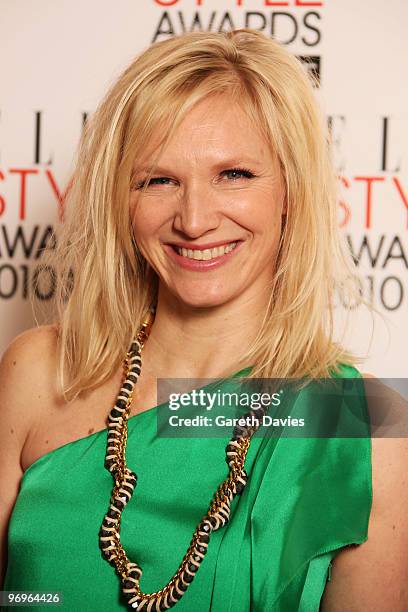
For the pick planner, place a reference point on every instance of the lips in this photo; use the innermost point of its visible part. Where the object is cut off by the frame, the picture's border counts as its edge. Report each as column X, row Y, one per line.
column 204, row 264
column 201, row 247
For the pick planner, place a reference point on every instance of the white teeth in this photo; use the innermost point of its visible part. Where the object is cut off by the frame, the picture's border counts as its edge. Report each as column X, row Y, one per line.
column 206, row 254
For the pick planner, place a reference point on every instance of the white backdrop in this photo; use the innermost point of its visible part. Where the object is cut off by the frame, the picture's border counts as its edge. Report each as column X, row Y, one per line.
column 59, row 57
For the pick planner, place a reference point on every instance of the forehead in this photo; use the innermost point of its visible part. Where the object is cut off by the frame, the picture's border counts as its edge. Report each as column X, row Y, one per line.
column 215, row 129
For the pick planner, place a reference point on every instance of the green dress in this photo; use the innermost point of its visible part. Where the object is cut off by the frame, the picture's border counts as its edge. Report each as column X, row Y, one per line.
column 305, row 499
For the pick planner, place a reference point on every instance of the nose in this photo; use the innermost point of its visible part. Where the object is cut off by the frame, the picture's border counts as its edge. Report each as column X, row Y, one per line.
column 197, row 211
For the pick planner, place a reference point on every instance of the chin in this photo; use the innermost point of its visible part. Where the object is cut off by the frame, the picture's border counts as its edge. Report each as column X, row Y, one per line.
column 203, row 299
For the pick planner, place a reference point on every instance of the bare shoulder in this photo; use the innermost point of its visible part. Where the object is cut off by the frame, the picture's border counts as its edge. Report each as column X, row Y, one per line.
column 27, row 379
column 28, row 343
column 42, row 337
column 27, row 383
column 32, row 355
column 374, row 575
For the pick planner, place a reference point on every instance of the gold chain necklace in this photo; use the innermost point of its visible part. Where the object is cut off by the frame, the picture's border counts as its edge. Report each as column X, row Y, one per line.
column 125, row 482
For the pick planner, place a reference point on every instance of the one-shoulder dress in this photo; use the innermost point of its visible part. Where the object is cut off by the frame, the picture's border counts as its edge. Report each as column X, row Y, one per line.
column 306, row 498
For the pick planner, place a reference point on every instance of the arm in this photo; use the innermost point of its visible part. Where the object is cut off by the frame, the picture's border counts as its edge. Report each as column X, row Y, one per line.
column 374, row 575
column 22, row 380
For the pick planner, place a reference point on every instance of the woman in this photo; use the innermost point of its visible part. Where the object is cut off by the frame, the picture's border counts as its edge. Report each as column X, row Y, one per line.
column 204, row 190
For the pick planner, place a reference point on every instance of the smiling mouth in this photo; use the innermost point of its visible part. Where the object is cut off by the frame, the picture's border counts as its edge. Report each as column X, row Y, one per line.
column 205, row 254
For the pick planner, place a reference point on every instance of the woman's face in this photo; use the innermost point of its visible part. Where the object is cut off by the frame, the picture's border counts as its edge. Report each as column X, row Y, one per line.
column 210, row 221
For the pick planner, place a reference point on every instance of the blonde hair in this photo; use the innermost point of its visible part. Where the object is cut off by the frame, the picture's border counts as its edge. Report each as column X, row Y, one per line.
column 113, row 285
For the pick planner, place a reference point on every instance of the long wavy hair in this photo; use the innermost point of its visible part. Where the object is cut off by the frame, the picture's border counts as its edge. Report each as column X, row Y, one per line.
column 106, row 285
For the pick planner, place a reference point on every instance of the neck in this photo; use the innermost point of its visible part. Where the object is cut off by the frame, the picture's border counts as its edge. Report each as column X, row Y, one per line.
column 200, row 342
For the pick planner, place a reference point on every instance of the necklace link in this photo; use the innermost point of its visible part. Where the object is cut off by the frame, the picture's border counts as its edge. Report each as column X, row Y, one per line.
column 125, row 481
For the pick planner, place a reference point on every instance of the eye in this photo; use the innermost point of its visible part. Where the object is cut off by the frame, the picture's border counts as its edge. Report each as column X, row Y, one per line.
column 234, row 173
column 159, row 180
column 239, row 173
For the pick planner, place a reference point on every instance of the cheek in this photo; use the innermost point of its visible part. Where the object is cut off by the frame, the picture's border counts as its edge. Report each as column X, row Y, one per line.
column 140, row 226
column 142, row 219
column 266, row 224
column 148, row 218
column 261, row 213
